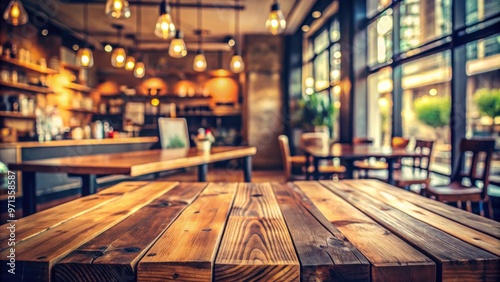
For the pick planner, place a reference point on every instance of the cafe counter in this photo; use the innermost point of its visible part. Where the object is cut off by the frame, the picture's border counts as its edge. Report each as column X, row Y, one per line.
column 48, row 183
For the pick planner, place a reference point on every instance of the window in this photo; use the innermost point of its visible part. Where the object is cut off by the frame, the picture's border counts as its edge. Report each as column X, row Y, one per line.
column 427, row 102
column 335, row 64
column 321, row 71
column 422, row 21
column 379, row 104
column 375, row 6
column 321, row 42
column 478, row 10
column 380, row 39
column 483, row 87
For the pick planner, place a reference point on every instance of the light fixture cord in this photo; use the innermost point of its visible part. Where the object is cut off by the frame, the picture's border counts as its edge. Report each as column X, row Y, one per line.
column 238, row 46
column 85, row 23
column 200, row 19
column 138, row 29
column 179, row 14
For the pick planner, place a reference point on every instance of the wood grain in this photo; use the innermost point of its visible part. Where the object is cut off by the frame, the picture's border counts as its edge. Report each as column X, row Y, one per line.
column 397, row 200
column 114, row 254
column 471, row 220
column 455, row 259
column 186, row 251
column 324, row 253
column 30, row 226
column 256, row 245
column 391, row 258
column 36, row 256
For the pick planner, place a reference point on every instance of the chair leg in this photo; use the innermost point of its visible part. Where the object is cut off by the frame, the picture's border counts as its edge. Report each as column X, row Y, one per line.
column 459, row 204
column 468, row 206
column 490, row 209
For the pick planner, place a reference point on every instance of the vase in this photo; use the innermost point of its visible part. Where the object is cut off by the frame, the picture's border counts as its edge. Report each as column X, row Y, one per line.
column 204, row 145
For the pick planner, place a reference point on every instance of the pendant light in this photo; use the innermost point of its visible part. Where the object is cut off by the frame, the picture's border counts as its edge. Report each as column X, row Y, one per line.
column 119, row 55
column 237, row 65
column 15, row 14
column 165, row 27
column 177, row 48
column 276, row 22
column 130, row 63
column 140, row 68
column 200, row 62
column 117, row 9
column 84, row 56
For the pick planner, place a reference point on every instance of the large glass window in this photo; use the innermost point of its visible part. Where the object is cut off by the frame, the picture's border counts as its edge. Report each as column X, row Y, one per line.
column 427, row 102
column 380, row 39
column 478, row 10
column 379, row 104
column 422, row 21
column 483, row 87
column 321, row 71
column 375, row 6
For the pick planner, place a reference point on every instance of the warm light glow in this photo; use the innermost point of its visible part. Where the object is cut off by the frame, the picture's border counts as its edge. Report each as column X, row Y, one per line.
column 276, row 22
column 433, row 92
column 237, row 65
column 15, row 14
column 200, row 62
column 108, row 48
column 305, row 28
column 316, row 14
column 140, row 70
column 118, row 58
column 45, row 32
column 155, row 102
column 85, row 58
column 383, row 103
column 309, row 91
column 384, row 24
column 76, row 47
column 337, row 54
column 336, row 89
column 335, row 75
column 177, row 48
column 384, row 86
column 309, row 82
column 117, row 9
column 231, row 42
column 165, row 27
column 130, row 63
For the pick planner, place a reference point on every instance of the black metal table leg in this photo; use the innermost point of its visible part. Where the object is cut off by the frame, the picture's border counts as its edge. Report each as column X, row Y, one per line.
column 316, row 168
column 390, row 171
column 29, row 193
column 89, row 184
column 349, row 169
column 202, row 172
column 308, row 163
column 247, row 168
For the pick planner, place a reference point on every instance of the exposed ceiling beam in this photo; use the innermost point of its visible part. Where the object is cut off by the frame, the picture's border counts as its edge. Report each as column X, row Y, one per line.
column 172, row 4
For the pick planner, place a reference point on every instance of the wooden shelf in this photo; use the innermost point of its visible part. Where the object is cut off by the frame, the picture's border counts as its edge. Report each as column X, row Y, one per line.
column 28, row 66
column 80, row 87
column 26, row 87
column 84, row 111
column 16, row 115
column 207, row 114
column 70, row 67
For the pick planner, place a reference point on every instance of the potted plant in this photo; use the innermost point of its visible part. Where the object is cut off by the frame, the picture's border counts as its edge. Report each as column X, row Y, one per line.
column 488, row 103
column 204, row 140
column 434, row 112
column 315, row 113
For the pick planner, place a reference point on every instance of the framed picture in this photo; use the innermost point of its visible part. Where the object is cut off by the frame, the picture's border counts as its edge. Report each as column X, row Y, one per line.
column 173, row 133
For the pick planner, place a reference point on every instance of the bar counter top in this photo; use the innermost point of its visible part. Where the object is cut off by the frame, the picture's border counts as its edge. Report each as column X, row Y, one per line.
column 84, row 142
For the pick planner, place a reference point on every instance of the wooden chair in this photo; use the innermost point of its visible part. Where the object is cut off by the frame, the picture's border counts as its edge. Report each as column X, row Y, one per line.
column 367, row 165
column 418, row 171
column 290, row 162
column 473, row 168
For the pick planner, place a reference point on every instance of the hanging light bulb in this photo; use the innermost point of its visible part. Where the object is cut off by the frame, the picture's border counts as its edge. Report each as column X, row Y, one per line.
column 85, row 58
column 117, row 9
column 177, row 48
column 276, row 22
column 118, row 57
column 200, row 62
column 237, row 65
column 15, row 14
column 140, row 70
column 129, row 63
column 165, row 27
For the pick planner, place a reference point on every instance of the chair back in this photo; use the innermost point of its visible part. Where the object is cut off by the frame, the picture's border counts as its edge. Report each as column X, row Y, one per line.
column 424, row 147
column 474, row 162
column 313, row 139
column 285, row 155
column 173, row 133
column 361, row 140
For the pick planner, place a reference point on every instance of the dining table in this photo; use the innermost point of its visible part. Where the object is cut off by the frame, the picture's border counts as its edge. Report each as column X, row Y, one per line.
column 348, row 153
column 132, row 164
column 348, row 230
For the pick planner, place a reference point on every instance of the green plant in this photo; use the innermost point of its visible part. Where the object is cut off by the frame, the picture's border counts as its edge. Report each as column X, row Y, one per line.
column 488, row 101
column 175, row 142
column 314, row 111
column 433, row 111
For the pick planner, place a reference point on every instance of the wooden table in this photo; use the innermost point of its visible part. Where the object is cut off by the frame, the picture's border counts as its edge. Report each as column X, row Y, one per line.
column 352, row 230
column 133, row 164
column 348, row 153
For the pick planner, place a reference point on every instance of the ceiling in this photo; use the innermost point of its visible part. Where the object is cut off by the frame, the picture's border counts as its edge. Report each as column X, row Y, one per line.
column 219, row 22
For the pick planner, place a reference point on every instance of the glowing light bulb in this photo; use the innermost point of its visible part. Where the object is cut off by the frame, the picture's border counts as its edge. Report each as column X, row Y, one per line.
column 85, row 58
column 118, row 58
column 165, row 27
column 140, row 70
column 177, row 48
column 276, row 22
column 117, row 9
column 237, row 65
column 15, row 14
column 200, row 62
column 130, row 63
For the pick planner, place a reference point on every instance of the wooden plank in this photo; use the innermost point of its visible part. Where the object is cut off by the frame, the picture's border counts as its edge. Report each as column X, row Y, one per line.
column 324, row 253
column 391, row 258
column 114, row 254
column 455, row 259
column 471, row 220
column 30, row 226
column 36, row 256
column 256, row 245
column 397, row 200
column 186, row 251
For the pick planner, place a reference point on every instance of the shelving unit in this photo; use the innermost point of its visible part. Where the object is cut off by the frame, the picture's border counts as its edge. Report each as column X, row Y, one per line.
column 26, row 87
column 16, row 115
column 80, row 87
column 29, row 66
column 83, row 111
